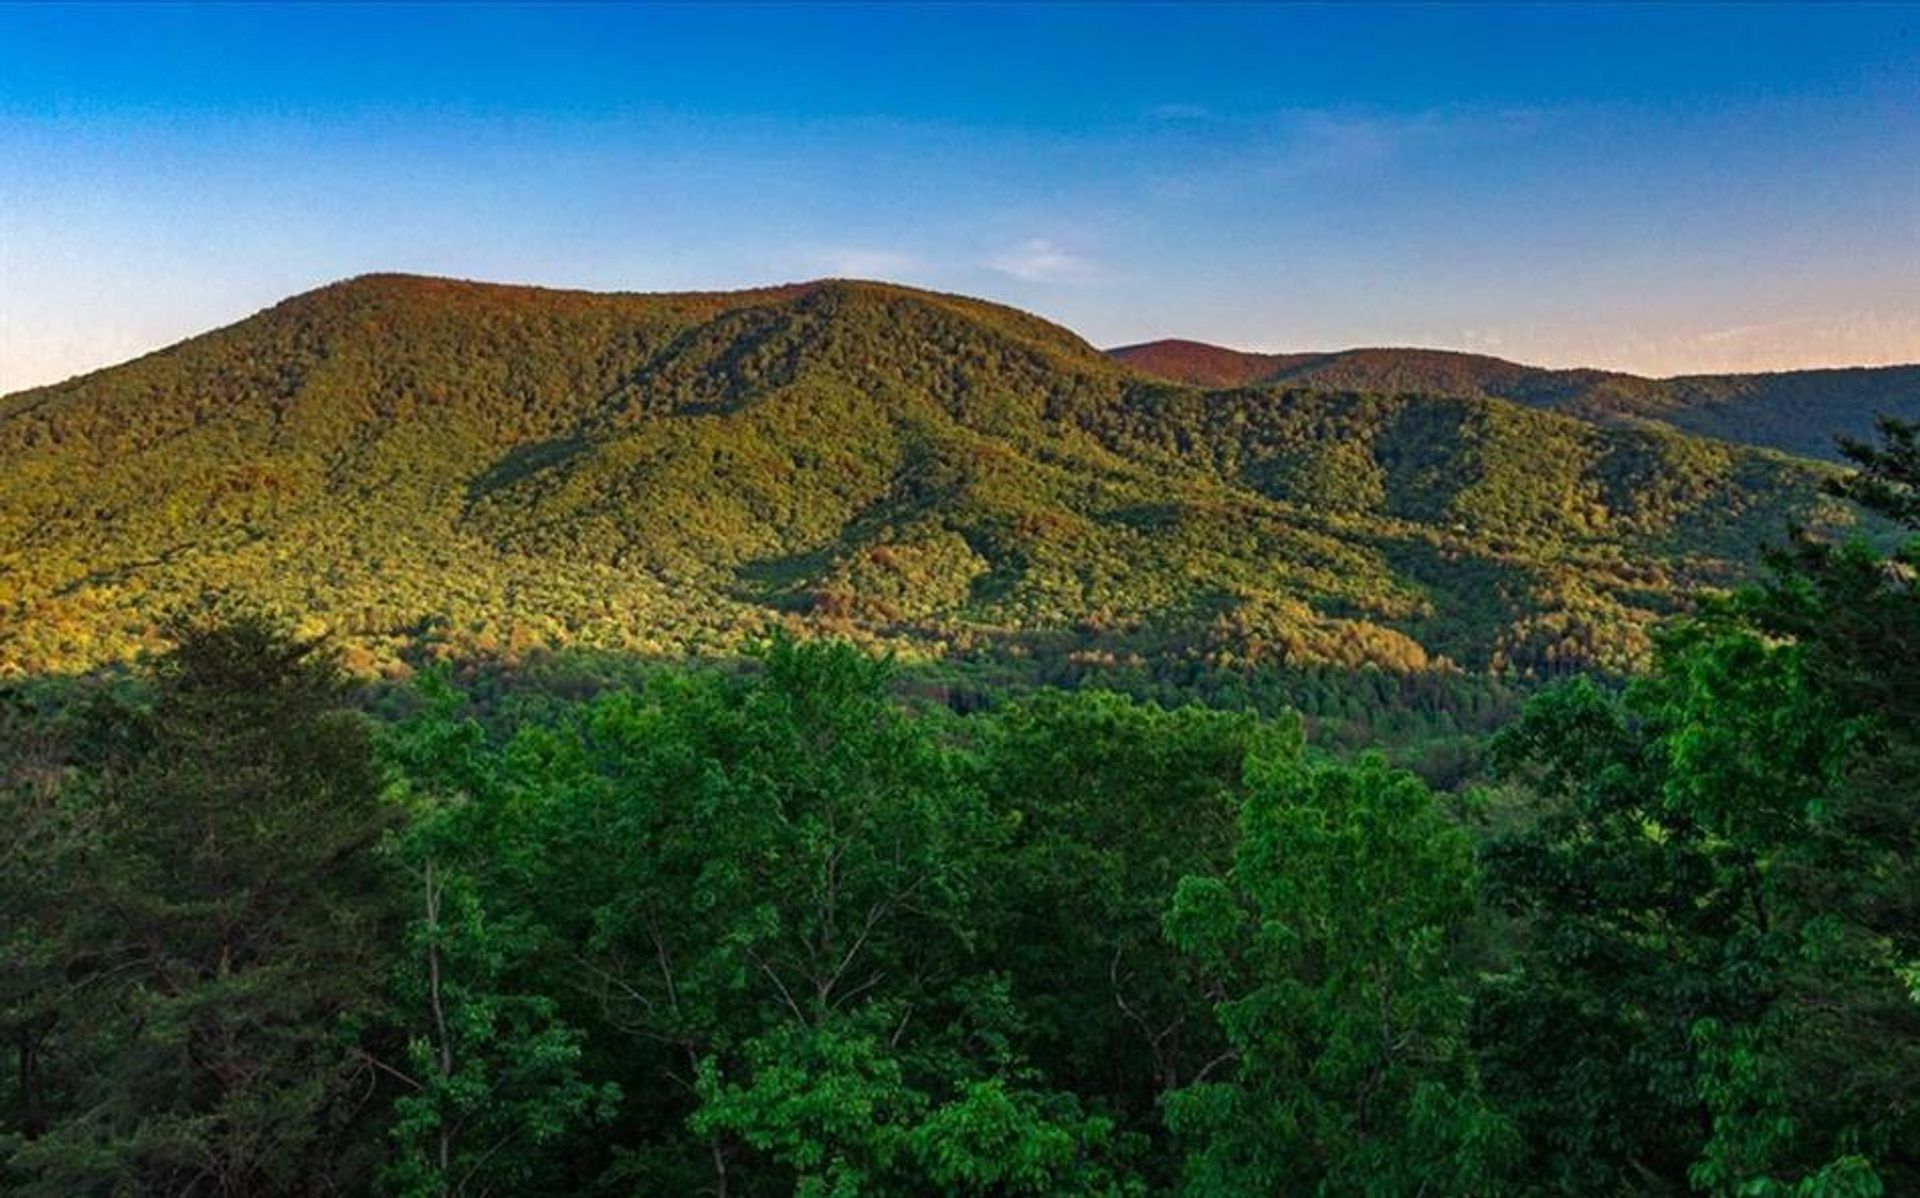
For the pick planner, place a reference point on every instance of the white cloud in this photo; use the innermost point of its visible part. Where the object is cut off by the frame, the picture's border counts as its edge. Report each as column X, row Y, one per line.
column 1040, row 260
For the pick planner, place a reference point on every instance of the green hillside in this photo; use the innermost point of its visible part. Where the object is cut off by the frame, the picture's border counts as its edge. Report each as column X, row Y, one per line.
column 1799, row 411
column 492, row 469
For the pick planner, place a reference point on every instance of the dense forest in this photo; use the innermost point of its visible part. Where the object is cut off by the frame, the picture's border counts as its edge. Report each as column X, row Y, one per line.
column 431, row 470
column 802, row 929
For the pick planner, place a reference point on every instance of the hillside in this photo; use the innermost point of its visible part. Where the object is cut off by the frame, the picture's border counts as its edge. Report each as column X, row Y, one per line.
column 493, row 469
column 1797, row 412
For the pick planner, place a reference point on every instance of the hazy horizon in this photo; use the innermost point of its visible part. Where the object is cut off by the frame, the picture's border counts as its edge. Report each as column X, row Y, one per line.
column 1663, row 191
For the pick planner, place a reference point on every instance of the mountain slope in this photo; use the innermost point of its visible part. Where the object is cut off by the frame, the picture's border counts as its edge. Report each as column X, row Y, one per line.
column 1797, row 412
column 498, row 468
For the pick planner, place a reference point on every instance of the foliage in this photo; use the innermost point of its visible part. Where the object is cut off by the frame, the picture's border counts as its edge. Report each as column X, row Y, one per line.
column 492, row 1073
column 1330, row 946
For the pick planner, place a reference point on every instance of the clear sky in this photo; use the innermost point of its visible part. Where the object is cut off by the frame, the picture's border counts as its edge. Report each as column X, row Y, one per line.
column 1661, row 189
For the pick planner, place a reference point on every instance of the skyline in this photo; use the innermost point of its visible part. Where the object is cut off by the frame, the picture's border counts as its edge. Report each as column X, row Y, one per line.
column 1673, row 190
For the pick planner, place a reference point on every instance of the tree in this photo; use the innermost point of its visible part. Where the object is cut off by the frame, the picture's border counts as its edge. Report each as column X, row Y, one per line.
column 40, row 881
column 1329, row 948
column 1624, row 925
column 494, row 1087
column 1114, row 800
column 230, row 931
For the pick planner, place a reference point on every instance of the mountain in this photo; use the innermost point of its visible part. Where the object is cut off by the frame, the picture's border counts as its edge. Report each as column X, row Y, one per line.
column 1198, row 364
column 1799, row 411
column 490, row 469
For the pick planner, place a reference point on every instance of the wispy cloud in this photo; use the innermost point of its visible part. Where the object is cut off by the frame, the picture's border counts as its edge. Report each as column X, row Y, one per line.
column 1040, row 260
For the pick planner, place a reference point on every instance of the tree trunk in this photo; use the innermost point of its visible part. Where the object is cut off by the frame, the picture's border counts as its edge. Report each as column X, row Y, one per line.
column 439, row 1021
column 33, row 1116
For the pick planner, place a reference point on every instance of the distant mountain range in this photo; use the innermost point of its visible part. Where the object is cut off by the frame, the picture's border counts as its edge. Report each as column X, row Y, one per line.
column 1798, row 411
column 492, row 469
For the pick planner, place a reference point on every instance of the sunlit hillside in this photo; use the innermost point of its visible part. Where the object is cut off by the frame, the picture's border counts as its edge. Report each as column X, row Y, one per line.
column 497, row 468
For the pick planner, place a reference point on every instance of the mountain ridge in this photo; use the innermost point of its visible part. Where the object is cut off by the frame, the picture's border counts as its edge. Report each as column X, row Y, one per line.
column 1798, row 411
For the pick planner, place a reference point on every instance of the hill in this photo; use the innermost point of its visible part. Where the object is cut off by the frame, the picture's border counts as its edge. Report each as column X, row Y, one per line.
column 493, row 469
column 1798, row 412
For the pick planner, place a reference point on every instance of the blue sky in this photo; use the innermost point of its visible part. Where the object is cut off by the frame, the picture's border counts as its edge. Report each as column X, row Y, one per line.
column 1660, row 189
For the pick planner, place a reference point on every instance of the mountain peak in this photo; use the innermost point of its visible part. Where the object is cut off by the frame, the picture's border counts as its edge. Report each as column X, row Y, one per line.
column 1200, row 364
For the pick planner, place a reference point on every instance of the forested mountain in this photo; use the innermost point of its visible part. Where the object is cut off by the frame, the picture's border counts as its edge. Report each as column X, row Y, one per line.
column 1798, row 411
column 495, row 468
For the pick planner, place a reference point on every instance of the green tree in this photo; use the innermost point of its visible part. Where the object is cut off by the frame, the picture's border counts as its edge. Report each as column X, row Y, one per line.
column 1330, row 950
column 1623, row 934
column 846, row 1112
column 1115, row 801
column 230, row 930
column 39, row 884
column 493, row 1085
